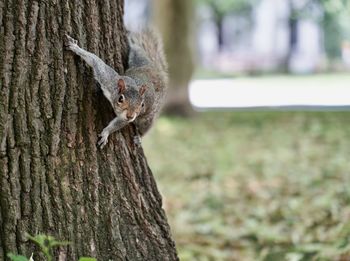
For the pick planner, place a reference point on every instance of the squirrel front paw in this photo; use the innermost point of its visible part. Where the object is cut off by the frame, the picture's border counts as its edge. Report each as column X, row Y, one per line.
column 137, row 140
column 103, row 139
column 71, row 43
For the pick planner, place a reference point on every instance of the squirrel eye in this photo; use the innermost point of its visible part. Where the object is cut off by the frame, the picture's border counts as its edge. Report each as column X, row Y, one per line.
column 121, row 99
column 142, row 104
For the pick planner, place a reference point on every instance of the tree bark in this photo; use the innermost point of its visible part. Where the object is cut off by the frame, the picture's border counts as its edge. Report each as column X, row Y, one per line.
column 175, row 19
column 53, row 178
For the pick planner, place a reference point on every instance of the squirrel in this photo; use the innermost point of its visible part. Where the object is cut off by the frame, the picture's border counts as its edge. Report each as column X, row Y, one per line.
column 137, row 95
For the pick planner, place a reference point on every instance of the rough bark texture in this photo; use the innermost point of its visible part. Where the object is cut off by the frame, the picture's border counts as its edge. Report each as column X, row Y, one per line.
column 53, row 179
column 175, row 19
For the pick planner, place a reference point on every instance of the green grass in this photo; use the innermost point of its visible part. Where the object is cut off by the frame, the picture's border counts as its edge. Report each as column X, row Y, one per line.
column 202, row 73
column 255, row 186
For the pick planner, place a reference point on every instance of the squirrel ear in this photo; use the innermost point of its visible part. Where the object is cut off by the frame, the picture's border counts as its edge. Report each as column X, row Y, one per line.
column 121, row 85
column 142, row 89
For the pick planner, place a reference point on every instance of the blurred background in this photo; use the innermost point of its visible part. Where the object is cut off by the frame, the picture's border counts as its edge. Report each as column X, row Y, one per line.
column 252, row 152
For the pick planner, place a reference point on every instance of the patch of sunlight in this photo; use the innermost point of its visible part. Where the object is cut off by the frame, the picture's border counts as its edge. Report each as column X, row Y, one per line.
column 291, row 92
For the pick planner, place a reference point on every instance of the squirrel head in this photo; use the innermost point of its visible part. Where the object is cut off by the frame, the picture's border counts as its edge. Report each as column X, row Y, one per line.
column 128, row 101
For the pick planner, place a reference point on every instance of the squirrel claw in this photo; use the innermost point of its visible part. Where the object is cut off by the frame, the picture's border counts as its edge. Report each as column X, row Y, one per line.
column 71, row 42
column 103, row 140
column 137, row 140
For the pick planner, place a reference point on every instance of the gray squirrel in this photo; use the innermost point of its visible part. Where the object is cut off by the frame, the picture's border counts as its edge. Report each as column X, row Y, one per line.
column 137, row 95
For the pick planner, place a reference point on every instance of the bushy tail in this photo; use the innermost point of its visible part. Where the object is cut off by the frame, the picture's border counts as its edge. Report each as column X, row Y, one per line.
column 150, row 41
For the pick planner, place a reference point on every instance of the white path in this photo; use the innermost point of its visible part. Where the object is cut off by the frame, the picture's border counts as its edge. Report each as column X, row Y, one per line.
column 271, row 93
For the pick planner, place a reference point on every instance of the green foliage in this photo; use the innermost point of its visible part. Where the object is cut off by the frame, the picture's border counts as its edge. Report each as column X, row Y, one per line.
column 335, row 21
column 87, row 259
column 46, row 244
column 256, row 185
column 334, row 6
column 223, row 7
column 17, row 257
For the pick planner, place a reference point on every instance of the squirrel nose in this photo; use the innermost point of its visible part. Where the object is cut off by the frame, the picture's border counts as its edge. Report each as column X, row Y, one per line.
column 130, row 116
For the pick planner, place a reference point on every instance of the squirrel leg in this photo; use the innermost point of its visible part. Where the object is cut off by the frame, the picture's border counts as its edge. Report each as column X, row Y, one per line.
column 116, row 124
column 143, row 126
column 103, row 73
column 137, row 138
column 85, row 55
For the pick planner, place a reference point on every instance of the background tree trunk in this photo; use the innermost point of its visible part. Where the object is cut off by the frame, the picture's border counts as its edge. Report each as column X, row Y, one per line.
column 53, row 179
column 293, row 34
column 174, row 19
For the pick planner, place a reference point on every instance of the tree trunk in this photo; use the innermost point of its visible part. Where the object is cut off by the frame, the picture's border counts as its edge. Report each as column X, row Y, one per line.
column 293, row 37
column 219, row 25
column 53, row 179
column 219, row 20
column 175, row 18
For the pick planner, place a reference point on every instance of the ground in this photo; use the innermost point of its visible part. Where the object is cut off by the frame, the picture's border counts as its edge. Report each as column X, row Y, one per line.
column 322, row 91
column 255, row 185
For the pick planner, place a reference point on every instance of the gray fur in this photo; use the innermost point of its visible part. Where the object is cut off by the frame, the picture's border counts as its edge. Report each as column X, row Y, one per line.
column 147, row 67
